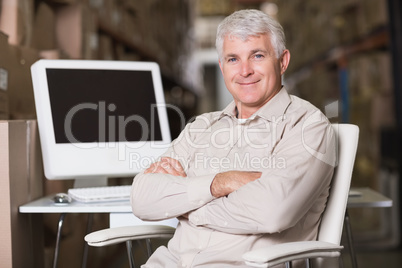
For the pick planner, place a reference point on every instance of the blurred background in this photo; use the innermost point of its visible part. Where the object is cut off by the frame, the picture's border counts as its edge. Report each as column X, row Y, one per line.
column 346, row 58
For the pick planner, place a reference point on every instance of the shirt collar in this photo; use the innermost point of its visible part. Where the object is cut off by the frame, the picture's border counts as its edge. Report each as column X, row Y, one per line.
column 230, row 110
column 272, row 110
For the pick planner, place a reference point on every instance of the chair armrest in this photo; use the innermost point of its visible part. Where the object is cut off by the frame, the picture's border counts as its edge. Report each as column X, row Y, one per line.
column 117, row 235
column 281, row 253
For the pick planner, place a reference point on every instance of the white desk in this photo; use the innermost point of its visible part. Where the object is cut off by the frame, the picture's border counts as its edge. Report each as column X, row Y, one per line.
column 120, row 213
column 368, row 199
column 46, row 205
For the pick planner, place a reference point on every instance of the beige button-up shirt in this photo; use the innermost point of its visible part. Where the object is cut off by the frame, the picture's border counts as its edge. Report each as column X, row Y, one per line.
column 289, row 140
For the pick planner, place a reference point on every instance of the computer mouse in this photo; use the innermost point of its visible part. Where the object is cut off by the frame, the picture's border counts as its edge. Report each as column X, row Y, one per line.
column 61, row 198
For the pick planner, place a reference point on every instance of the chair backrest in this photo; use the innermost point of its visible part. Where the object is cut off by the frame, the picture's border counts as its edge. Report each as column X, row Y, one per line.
column 331, row 226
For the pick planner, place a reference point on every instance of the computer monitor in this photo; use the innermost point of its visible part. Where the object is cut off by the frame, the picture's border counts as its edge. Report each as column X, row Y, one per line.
column 99, row 119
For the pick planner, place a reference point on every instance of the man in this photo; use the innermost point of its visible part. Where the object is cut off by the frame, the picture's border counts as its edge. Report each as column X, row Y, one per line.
column 255, row 174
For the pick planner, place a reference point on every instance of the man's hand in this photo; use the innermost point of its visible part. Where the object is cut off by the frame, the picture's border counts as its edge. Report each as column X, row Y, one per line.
column 167, row 165
column 227, row 182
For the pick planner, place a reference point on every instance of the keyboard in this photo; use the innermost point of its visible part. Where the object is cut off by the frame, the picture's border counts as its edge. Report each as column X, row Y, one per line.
column 101, row 194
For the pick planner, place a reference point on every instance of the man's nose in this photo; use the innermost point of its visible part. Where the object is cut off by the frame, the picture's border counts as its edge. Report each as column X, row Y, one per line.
column 246, row 69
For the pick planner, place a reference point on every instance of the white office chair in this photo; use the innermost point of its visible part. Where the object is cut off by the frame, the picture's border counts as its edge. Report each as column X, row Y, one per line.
column 128, row 234
column 330, row 230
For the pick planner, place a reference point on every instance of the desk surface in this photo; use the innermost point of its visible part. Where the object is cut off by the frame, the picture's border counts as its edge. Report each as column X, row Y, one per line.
column 368, row 198
column 46, row 205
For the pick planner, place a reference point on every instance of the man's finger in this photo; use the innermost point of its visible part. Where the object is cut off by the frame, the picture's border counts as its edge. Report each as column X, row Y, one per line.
column 167, row 165
column 174, row 164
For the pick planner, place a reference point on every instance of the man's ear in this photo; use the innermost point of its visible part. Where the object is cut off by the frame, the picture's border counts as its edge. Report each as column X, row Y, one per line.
column 220, row 66
column 284, row 60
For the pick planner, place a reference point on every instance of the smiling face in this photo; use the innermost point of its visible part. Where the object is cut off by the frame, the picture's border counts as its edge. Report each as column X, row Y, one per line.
column 251, row 71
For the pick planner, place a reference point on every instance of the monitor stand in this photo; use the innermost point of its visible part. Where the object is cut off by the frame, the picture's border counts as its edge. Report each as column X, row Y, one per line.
column 92, row 181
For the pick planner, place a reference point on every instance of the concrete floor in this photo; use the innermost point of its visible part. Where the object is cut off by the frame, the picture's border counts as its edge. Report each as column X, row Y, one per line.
column 391, row 258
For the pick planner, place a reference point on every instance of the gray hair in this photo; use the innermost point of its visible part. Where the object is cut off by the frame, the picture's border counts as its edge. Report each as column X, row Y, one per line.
column 250, row 22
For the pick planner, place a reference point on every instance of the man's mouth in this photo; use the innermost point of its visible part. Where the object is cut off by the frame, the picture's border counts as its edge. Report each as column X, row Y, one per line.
column 247, row 83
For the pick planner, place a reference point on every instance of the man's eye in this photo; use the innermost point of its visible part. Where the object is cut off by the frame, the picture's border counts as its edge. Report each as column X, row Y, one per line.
column 259, row 56
column 232, row 60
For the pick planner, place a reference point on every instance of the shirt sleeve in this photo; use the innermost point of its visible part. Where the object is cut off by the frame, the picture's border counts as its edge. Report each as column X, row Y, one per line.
column 161, row 196
column 283, row 194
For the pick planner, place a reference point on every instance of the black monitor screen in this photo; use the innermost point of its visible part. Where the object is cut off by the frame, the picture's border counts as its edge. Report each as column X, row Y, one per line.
column 103, row 105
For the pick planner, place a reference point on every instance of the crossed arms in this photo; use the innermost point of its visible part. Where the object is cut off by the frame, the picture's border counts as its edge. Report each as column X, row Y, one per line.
column 223, row 183
column 268, row 200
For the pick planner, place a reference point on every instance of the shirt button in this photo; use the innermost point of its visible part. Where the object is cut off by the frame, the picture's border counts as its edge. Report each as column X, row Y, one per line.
column 201, row 202
column 166, row 214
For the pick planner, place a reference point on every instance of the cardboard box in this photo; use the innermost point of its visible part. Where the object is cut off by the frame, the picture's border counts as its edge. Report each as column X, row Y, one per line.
column 21, row 180
column 76, row 31
column 16, row 91
column 3, row 76
column 21, row 104
column 44, row 31
column 3, row 104
column 375, row 14
column 16, row 20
